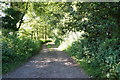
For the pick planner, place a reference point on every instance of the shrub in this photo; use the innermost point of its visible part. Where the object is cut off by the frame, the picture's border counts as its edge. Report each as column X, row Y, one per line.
column 102, row 55
column 16, row 50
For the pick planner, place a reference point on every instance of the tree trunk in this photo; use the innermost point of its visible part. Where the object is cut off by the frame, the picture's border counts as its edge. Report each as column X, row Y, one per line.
column 21, row 20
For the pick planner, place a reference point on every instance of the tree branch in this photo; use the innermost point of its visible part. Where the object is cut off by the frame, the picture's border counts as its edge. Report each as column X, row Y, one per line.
column 21, row 20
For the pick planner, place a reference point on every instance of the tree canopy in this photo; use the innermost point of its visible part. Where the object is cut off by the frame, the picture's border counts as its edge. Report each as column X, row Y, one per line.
column 100, row 22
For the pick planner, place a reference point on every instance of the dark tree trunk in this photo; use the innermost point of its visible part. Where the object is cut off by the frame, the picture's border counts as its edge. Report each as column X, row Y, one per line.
column 21, row 20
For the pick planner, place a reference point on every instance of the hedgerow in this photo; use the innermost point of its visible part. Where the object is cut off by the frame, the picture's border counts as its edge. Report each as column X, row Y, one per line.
column 100, row 55
column 16, row 50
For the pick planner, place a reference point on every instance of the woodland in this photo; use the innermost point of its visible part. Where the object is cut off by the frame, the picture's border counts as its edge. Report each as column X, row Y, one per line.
column 88, row 31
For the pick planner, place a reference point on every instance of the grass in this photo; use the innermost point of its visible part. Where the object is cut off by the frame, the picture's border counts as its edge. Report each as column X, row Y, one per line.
column 89, row 70
column 12, row 66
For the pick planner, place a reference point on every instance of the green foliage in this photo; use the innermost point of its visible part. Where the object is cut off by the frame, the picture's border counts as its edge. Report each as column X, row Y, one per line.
column 46, row 41
column 100, row 55
column 14, row 15
column 58, row 41
column 101, row 23
column 100, row 47
column 17, row 50
column 49, row 46
column 11, row 19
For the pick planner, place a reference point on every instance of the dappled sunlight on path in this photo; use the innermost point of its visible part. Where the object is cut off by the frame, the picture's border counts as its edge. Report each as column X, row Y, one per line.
column 49, row 63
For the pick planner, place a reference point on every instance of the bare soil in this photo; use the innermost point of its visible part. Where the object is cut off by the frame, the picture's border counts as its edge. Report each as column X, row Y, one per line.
column 49, row 63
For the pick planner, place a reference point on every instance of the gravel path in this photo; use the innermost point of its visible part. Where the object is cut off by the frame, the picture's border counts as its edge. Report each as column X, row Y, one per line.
column 49, row 63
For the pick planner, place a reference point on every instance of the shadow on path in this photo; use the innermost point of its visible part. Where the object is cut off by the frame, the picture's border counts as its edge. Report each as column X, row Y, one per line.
column 49, row 63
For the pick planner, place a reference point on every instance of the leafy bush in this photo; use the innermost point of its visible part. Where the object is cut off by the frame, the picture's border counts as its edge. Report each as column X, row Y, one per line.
column 16, row 50
column 58, row 41
column 100, row 55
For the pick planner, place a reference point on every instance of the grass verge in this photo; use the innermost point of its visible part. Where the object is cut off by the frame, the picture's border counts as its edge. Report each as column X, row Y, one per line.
column 89, row 70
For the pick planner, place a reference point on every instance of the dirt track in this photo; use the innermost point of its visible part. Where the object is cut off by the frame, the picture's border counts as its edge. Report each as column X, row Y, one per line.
column 49, row 63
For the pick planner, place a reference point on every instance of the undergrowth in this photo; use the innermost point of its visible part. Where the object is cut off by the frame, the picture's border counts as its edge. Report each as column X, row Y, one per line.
column 99, row 59
column 17, row 50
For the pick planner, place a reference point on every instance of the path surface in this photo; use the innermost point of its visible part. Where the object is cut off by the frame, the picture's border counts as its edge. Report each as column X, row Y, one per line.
column 49, row 63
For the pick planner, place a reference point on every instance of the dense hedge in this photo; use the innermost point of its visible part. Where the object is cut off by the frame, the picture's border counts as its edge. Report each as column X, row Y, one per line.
column 16, row 50
column 101, row 55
